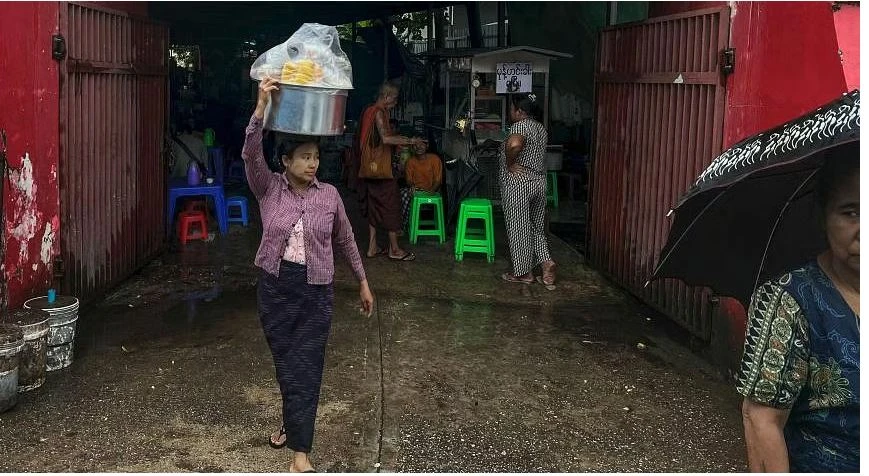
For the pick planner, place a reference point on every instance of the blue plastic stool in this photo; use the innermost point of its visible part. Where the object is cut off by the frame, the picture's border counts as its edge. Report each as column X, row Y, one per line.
column 236, row 170
column 215, row 163
column 241, row 204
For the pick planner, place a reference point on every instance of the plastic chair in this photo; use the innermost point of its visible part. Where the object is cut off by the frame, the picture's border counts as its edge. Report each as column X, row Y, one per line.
column 552, row 188
column 475, row 240
column 178, row 189
column 416, row 223
column 241, row 204
column 186, row 219
column 194, row 205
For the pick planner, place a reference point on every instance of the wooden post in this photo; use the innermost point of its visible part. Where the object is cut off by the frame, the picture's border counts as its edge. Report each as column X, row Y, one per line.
column 475, row 28
column 546, row 96
column 385, row 50
column 502, row 24
column 430, row 29
column 439, row 29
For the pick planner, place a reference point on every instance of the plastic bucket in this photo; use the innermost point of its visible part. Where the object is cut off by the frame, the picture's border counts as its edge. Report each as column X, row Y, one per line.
column 61, row 336
column 32, row 360
column 554, row 157
column 11, row 343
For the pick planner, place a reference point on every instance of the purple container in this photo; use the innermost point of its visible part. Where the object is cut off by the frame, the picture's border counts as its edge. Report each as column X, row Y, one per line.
column 193, row 174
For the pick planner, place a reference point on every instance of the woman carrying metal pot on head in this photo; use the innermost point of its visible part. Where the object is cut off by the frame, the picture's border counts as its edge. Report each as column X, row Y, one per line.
column 302, row 219
column 523, row 194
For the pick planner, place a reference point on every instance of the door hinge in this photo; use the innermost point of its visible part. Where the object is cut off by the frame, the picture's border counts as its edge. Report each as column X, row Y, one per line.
column 58, row 47
column 728, row 61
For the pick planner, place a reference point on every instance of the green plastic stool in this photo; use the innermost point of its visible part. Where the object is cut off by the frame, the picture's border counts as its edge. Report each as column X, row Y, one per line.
column 552, row 188
column 209, row 137
column 416, row 230
column 475, row 240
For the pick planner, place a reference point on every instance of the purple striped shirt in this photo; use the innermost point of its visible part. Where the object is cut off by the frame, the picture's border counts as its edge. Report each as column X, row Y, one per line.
column 281, row 207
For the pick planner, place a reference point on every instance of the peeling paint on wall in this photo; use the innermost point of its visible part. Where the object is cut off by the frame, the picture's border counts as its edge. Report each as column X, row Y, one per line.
column 47, row 245
column 31, row 186
column 22, row 178
column 25, row 215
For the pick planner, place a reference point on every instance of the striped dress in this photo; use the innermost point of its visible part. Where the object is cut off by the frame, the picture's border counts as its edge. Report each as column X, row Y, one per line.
column 523, row 198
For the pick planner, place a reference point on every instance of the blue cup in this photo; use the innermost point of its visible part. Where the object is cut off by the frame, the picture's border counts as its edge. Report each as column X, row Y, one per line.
column 52, row 296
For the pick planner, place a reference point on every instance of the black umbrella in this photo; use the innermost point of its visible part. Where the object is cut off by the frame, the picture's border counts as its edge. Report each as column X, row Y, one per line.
column 751, row 215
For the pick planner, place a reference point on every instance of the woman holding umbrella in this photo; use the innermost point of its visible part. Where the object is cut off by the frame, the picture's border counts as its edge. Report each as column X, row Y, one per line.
column 792, row 197
column 800, row 372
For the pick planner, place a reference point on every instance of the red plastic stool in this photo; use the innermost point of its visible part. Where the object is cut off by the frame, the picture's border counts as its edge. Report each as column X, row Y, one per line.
column 196, row 205
column 192, row 218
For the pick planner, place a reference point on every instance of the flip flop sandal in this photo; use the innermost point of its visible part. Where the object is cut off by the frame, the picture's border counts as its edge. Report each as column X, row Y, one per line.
column 408, row 256
column 513, row 279
column 549, row 287
column 281, row 433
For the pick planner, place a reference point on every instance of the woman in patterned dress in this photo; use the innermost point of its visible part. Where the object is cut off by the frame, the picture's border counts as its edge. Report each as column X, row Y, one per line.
column 800, row 372
column 523, row 194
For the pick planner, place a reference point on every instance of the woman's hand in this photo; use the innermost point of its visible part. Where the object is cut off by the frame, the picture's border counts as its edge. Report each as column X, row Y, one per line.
column 514, row 168
column 366, row 299
column 266, row 86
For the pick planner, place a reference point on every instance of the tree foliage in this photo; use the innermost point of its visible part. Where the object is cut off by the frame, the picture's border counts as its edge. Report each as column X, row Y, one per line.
column 345, row 32
column 410, row 26
column 407, row 26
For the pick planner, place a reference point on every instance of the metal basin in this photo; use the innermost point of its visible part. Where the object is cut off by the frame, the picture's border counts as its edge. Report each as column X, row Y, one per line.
column 307, row 111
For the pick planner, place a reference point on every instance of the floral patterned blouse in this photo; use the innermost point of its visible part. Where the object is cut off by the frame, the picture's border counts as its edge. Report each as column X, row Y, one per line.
column 295, row 250
column 802, row 352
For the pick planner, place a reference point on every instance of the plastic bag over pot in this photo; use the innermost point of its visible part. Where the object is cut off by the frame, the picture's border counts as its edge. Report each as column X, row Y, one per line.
column 312, row 57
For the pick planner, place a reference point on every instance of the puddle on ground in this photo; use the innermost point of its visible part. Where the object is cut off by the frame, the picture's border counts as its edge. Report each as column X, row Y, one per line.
column 197, row 316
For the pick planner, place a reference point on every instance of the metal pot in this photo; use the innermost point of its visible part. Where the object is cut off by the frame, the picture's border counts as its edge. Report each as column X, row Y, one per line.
column 307, row 111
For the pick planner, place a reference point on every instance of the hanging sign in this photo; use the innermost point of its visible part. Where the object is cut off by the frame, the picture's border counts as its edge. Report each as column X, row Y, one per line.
column 513, row 78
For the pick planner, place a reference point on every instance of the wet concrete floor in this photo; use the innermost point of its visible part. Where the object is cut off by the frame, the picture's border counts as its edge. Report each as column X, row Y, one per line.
column 455, row 372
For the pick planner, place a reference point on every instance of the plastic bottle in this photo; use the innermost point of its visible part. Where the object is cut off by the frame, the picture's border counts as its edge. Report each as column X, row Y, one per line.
column 193, row 174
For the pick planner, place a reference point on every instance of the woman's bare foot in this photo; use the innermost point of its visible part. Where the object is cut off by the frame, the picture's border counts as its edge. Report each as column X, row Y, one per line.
column 278, row 439
column 301, row 463
column 377, row 251
column 548, row 278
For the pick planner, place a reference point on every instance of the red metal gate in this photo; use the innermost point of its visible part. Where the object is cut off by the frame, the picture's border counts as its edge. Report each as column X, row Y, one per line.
column 660, row 112
column 113, row 105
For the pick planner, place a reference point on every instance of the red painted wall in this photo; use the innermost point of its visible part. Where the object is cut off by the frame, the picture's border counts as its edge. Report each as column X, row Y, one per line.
column 847, row 21
column 787, row 64
column 29, row 115
column 787, row 60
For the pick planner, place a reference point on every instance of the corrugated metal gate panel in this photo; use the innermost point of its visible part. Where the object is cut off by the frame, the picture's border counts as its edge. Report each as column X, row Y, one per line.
column 113, row 110
column 660, row 110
